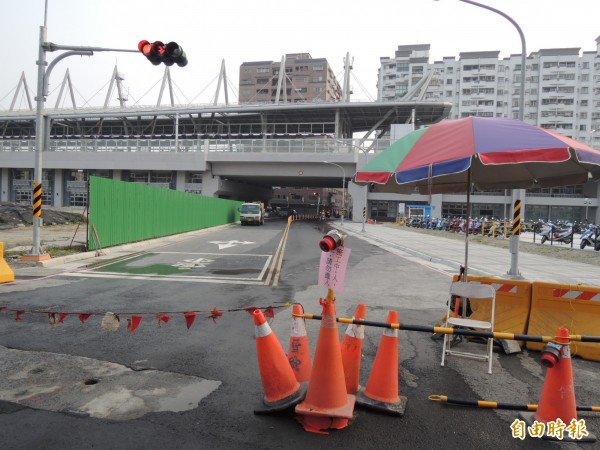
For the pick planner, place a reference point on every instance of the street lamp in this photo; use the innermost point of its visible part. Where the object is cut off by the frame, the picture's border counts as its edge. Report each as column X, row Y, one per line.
column 366, row 152
column 343, row 188
column 517, row 194
column 587, row 202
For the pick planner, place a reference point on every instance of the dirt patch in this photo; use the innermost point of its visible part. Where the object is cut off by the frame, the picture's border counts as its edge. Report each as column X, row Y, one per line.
column 18, row 214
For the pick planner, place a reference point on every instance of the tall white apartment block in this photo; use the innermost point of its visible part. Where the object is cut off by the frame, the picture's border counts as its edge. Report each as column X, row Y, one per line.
column 562, row 86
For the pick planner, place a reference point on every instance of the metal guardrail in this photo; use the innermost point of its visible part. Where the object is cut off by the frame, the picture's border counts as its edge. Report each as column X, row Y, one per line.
column 199, row 145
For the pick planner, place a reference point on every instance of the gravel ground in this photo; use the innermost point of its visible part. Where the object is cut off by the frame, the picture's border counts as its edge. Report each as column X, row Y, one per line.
column 563, row 253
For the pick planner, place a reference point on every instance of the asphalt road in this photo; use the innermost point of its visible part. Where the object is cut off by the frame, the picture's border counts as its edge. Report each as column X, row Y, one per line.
column 169, row 387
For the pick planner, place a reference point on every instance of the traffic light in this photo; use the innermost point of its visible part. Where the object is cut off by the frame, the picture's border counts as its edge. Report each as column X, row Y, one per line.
column 157, row 53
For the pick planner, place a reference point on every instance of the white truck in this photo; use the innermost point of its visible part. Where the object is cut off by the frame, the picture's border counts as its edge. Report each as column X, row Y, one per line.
column 252, row 213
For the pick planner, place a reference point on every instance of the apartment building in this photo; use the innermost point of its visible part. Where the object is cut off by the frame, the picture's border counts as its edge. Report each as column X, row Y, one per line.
column 562, row 86
column 562, row 93
column 305, row 79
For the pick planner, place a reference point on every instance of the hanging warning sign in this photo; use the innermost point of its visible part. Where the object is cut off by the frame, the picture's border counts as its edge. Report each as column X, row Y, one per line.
column 332, row 270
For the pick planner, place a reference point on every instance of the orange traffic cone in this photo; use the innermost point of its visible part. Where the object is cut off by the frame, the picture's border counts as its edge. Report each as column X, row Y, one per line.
column 299, row 351
column 327, row 405
column 381, row 392
column 558, row 394
column 352, row 350
column 282, row 390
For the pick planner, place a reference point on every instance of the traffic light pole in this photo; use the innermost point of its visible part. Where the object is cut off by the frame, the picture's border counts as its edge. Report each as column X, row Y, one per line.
column 36, row 253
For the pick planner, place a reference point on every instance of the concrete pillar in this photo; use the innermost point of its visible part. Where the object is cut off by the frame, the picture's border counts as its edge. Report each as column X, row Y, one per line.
column 210, row 183
column 58, row 190
column 4, row 192
column 436, row 206
column 180, row 181
column 358, row 201
column 117, row 174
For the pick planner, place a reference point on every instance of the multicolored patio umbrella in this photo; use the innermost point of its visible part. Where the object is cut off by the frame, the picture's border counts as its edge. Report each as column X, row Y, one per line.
column 489, row 153
column 495, row 153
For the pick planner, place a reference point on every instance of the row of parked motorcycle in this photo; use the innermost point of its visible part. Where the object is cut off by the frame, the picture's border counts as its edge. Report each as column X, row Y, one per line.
column 483, row 225
column 561, row 232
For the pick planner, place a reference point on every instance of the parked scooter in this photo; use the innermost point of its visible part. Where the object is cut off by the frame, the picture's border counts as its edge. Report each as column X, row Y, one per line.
column 564, row 235
column 589, row 237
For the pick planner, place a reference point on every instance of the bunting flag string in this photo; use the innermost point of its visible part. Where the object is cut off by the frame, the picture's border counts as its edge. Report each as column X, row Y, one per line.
column 111, row 321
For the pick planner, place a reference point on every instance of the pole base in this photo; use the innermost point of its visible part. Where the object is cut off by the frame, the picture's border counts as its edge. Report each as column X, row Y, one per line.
column 42, row 257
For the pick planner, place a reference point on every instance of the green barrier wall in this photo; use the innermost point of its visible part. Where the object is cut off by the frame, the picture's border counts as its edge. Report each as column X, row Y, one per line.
column 128, row 212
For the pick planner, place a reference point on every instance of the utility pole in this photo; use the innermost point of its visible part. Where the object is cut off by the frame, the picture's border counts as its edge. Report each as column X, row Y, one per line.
column 172, row 53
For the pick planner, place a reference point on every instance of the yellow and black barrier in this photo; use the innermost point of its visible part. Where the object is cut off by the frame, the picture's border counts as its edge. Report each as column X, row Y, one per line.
column 6, row 273
column 456, row 331
column 574, row 306
column 487, row 404
column 513, row 303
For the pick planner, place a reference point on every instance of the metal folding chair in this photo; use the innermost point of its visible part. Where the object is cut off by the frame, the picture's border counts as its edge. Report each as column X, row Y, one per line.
column 471, row 291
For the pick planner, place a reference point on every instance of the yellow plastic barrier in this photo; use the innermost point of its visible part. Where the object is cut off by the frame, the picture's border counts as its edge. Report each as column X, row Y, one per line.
column 575, row 306
column 513, row 303
column 6, row 273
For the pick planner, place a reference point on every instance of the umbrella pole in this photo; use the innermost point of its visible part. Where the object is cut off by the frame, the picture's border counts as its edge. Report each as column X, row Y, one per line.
column 466, row 273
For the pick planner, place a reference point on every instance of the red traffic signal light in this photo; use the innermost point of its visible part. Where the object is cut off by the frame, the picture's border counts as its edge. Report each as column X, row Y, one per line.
column 157, row 53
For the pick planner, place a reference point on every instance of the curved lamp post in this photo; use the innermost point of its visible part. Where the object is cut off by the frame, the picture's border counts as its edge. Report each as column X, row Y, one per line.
column 516, row 193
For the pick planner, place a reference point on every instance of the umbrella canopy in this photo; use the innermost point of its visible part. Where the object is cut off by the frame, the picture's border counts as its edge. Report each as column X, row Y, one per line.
column 494, row 153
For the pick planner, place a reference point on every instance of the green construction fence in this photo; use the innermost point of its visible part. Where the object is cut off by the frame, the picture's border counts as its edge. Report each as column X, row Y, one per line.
column 121, row 212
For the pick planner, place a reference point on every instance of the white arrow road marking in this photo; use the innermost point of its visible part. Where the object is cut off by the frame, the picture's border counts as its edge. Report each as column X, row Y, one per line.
column 193, row 263
column 227, row 244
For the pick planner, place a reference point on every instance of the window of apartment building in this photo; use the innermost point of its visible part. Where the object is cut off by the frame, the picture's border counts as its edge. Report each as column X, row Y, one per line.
column 402, row 67
column 417, row 70
column 585, row 65
column 535, row 67
column 301, row 79
column 583, row 103
column 584, row 90
column 262, row 80
column 583, row 115
column 193, row 177
column 301, row 68
column 448, row 93
column 318, row 79
column 585, row 77
column 262, row 91
column 582, row 127
column 302, row 90
column 246, row 81
column 263, row 70
column 318, row 67
column 319, row 89
column 517, row 67
column 487, row 67
column 533, row 103
column 246, row 91
column 471, row 67
column 449, row 81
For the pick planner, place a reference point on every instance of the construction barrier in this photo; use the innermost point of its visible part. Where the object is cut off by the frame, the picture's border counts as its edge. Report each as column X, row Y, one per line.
column 6, row 273
column 574, row 306
column 513, row 303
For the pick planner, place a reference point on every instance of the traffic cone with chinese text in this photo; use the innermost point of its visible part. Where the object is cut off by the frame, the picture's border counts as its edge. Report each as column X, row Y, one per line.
column 299, row 351
column 282, row 390
column 327, row 404
column 352, row 351
column 381, row 392
column 558, row 394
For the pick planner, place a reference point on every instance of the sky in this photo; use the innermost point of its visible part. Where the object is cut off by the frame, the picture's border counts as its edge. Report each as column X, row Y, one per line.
column 259, row 30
